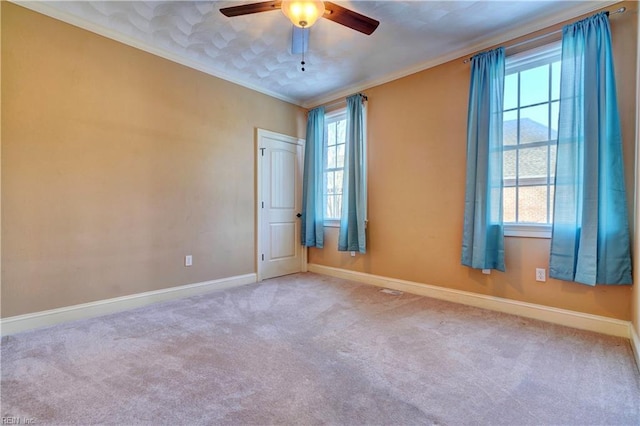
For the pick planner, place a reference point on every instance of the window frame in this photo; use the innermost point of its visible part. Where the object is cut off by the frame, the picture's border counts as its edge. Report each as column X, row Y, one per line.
column 516, row 63
column 331, row 117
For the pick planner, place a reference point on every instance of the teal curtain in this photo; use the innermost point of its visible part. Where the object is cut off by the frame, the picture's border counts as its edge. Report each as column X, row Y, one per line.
column 590, row 238
column 352, row 236
column 483, row 234
column 312, row 219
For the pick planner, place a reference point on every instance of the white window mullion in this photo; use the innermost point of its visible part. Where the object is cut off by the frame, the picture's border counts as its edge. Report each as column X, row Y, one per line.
column 532, row 132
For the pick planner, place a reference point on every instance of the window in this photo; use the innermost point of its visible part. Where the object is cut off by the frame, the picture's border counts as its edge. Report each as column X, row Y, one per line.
column 530, row 126
column 334, row 146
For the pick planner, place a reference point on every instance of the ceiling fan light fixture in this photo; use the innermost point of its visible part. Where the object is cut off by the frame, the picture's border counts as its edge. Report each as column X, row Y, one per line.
column 303, row 13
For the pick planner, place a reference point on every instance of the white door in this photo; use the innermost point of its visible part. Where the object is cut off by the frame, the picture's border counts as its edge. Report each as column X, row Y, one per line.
column 280, row 161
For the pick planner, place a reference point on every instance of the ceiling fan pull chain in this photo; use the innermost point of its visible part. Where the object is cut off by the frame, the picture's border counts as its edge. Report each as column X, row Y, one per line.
column 303, row 37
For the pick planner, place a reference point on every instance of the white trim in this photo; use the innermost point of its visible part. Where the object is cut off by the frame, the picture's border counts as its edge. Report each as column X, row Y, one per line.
column 331, row 223
column 548, row 53
column 529, row 230
column 262, row 134
column 336, row 115
column 635, row 345
column 44, row 9
column 19, row 323
column 599, row 324
column 305, row 259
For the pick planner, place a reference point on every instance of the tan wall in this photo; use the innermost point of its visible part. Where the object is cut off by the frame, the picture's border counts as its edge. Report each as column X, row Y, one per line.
column 417, row 156
column 116, row 164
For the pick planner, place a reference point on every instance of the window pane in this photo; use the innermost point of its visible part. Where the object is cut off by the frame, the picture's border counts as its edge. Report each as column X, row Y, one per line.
column 331, row 157
column 534, row 85
column 331, row 182
column 340, row 155
column 334, row 164
column 532, row 204
column 534, row 124
column 509, row 204
column 510, row 128
column 530, row 126
column 341, row 131
column 338, row 182
column 555, row 81
column 331, row 134
column 532, row 164
column 509, row 166
column 331, row 207
column 511, row 91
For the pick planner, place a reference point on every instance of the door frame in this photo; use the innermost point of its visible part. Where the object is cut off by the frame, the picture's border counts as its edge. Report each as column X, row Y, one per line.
column 259, row 184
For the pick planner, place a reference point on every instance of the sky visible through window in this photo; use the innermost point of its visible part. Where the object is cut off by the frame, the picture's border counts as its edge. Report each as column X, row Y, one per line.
column 530, row 128
column 534, row 89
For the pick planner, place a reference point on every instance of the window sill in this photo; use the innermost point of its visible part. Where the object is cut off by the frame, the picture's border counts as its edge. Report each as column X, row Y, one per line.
column 335, row 223
column 529, row 230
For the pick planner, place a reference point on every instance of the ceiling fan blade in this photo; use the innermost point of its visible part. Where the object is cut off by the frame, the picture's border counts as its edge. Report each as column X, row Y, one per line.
column 349, row 18
column 299, row 40
column 247, row 9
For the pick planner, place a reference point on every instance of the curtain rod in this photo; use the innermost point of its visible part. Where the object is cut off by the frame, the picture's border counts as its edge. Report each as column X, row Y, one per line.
column 543, row 36
column 340, row 102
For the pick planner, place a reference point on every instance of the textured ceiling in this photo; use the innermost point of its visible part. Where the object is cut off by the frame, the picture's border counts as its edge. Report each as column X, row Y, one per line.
column 254, row 50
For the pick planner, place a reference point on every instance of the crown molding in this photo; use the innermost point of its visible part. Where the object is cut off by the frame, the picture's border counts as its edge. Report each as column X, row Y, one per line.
column 44, row 9
column 461, row 53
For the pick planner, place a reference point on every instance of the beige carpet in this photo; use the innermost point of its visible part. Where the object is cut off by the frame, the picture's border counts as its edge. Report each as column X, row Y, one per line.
column 308, row 349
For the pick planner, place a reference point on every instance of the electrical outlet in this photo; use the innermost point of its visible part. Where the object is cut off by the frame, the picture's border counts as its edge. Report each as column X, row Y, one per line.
column 486, row 271
column 188, row 260
column 541, row 274
column 353, row 254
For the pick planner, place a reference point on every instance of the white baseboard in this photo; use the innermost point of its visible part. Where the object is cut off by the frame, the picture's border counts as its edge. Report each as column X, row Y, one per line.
column 635, row 345
column 16, row 324
column 599, row 324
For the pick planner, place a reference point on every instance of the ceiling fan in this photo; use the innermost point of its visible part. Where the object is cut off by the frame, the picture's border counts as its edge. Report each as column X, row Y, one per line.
column 303, row 14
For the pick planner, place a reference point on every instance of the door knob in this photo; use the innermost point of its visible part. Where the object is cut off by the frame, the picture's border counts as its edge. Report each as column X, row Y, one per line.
column 299, row 215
